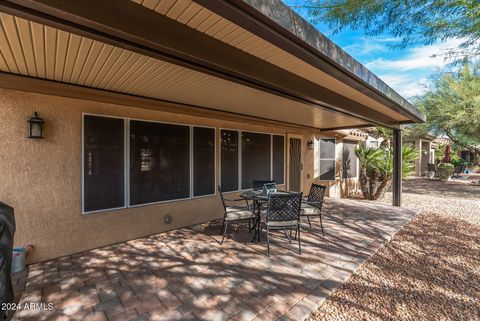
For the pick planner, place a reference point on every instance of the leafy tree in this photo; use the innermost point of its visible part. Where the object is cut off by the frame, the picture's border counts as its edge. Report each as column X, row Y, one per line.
column 452, row 106
column 410, row 21
column 376, row 168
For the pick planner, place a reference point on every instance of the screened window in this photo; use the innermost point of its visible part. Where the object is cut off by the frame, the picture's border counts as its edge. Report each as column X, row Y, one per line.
column 278, row 159
column 327, row 159
column 104, row 163
column 256, row 158
column 159, row 162
column 203, row 161
column 229, row 160
column 349, row 159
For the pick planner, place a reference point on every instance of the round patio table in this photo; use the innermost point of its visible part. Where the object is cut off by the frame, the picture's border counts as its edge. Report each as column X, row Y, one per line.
column 258, row 199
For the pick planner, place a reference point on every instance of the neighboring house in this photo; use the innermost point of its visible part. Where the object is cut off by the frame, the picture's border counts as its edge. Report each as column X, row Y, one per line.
column 426, row 148
column 148, row 107
column 336, row 164
column 465, row 154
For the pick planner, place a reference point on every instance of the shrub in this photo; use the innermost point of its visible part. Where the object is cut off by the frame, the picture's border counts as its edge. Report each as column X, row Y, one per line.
column 444, row 171
column 376, row 168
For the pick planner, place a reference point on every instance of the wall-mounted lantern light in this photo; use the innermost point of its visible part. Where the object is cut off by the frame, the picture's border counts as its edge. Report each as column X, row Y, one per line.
column 310, row 144
column 36, row 126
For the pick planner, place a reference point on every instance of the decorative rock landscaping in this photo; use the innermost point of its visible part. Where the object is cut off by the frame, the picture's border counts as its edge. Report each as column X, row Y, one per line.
column 429, row 271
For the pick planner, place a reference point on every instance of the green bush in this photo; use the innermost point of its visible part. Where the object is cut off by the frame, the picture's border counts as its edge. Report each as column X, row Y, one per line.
column 444, row 171
column 457, row 160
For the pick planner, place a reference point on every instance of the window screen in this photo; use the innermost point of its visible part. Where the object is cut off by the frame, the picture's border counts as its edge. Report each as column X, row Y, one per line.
column 159, row 162
column 203, row 161
column 349, row 159
column 256, row 160
column 104, row 168
column 278, row 159
column 229, row 160
column 327, row 159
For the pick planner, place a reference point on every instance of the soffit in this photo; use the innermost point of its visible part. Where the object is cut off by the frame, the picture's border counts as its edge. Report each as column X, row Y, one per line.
column 40, row 51
column 212, row 24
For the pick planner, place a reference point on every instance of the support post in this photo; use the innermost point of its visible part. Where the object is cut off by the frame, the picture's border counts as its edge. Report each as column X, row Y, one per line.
column 397, row 167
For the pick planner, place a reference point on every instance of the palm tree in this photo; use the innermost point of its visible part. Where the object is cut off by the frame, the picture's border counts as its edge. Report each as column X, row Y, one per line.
column 376, row 168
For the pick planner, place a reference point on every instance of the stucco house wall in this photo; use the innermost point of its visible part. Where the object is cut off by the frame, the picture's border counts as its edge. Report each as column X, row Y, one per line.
column 42, row 179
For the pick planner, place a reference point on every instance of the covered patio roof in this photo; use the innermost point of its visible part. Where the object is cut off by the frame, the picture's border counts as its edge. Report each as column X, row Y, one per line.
column 251, row 58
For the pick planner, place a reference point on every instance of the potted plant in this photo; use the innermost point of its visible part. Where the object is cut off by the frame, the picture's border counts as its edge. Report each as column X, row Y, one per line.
column 445, row 171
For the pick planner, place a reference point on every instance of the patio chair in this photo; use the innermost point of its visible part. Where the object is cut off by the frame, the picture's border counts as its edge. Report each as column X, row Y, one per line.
column 258, row 185
column 283, row 213
column 312, row 205
column 233, row 213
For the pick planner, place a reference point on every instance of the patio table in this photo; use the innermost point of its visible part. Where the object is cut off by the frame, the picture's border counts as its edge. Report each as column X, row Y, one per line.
column 258, row 198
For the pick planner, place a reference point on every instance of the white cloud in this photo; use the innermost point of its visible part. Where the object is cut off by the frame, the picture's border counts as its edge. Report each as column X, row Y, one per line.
column 407, row 85
column 364, row 48
column 408, row 75
column 431, row 56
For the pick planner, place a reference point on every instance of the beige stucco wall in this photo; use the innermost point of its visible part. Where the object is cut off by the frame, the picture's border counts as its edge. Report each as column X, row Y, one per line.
column 338, row 187
column 41, row 179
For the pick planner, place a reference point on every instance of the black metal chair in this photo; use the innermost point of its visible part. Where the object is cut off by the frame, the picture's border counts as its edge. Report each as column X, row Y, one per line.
column 283, row 212
column 312, row 205
column 235, row 213
column 258, row 185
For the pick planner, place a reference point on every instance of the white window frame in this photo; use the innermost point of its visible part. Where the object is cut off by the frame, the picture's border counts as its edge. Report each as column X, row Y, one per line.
column 334, row 159
column 373, row 141
column 240, row 168
column 127, row 162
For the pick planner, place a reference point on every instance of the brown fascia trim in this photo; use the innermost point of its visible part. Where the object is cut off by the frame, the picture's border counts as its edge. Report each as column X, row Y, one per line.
column 59, row 89
column 244, row 14
column 184, row 46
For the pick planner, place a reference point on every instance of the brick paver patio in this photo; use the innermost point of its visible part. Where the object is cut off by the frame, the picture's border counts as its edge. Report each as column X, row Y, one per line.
column 187, row 275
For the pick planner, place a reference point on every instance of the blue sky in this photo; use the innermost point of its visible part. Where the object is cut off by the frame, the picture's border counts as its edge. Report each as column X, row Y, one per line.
column 407, row 70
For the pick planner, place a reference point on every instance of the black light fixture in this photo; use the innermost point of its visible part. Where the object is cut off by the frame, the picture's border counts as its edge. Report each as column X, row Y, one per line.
column 310, row 144
column 36, row 126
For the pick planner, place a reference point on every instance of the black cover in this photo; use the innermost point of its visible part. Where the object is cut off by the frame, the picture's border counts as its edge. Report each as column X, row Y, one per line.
column 7, row 231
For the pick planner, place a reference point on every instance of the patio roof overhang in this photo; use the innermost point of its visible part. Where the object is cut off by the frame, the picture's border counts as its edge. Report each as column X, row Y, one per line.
column 250, row 58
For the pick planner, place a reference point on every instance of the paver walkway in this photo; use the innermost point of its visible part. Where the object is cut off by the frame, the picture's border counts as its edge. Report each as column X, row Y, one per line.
column 187, row 275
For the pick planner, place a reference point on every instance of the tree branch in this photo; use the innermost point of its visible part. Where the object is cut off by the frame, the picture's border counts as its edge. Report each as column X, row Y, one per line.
column 456, row 141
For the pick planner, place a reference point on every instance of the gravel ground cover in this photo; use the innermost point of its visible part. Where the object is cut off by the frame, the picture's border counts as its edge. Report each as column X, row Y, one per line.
column 459, row 199
column 431, row 268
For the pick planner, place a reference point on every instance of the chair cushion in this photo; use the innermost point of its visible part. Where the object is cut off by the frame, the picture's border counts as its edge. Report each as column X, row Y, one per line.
column 282, row 223
column 309, row 210
column 238, row 214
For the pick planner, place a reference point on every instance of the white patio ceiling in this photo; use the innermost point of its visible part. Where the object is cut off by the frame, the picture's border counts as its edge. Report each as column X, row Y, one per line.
column 35, row 50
